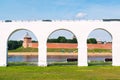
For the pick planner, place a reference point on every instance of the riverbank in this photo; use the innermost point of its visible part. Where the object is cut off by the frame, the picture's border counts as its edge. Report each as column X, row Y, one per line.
column 58, row 54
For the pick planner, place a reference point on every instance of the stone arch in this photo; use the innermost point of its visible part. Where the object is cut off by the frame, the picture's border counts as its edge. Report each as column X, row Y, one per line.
column 111, row 38
column 62, row 29
column 101, row 29
column 65, row 30
column 15, row 30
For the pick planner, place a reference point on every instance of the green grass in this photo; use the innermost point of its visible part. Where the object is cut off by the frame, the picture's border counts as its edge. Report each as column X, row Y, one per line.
column 76, row 50
column 99, row 63
column 100, row 50
column 58, row 72
column 21, row 64
column 61, row 50
column 21, row 49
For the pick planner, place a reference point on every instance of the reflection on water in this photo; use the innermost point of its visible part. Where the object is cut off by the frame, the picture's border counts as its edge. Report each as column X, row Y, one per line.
column 97, row 58
column 22, row 58
column 49, row 59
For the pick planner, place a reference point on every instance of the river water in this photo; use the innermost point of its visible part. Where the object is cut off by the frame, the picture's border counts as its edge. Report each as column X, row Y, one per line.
column 49, row 59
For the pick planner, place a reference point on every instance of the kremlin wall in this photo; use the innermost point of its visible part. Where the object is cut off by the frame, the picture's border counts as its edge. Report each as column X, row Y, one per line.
column 27, row 42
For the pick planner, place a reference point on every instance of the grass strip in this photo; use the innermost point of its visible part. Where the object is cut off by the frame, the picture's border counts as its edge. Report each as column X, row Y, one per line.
column 21, row 49
column 75, row 50
column 58, row 72
column 100, row 50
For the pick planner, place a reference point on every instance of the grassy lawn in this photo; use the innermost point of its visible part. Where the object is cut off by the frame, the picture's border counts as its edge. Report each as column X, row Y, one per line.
column 100, row 50
column 21, row 49
column 61, row 50
column 59, row 72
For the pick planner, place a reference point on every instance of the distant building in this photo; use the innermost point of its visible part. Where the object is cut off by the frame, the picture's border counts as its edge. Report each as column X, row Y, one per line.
column 27, row 42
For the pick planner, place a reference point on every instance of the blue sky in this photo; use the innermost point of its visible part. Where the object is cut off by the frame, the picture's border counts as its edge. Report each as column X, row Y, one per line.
column 59, row 9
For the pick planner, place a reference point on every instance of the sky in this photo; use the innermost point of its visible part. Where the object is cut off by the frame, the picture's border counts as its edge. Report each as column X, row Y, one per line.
column 105, row 36
column 59, row 9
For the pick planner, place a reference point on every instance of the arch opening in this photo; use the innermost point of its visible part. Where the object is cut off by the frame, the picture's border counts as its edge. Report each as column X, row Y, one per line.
column 62, row 48
column 22, row 48
column 99, row 47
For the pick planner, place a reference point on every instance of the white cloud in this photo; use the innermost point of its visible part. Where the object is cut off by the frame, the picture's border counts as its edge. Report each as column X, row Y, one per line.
column 80, row 15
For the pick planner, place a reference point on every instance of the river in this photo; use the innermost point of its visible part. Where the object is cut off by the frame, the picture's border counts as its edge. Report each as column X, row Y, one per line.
column 49, row 59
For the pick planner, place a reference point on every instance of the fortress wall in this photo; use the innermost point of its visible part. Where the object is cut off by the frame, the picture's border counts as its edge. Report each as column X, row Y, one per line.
column 33, row 45
column 100, row 46
column 73, row 45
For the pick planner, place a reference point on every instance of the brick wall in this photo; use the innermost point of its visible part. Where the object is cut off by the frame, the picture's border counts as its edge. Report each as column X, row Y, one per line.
column 72, row 45
column 100, row 46
column 61, row 45
column 33, row 45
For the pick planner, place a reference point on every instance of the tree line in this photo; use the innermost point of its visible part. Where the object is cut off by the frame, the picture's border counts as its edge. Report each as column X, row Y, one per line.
column 16, row 44
column 91, row 41
column 62, row 39
column 12, row 44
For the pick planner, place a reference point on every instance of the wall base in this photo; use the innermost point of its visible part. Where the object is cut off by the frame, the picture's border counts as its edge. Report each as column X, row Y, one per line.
column 3, row 65
column 82, row 64
column 42, row 64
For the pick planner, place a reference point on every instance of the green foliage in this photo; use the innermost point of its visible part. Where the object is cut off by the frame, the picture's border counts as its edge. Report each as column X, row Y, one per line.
column 34, row 41
column 63, row 63
column 74, row 40
column 52, row 40
column 92, row 41
column 62, row 39
column 14, row 44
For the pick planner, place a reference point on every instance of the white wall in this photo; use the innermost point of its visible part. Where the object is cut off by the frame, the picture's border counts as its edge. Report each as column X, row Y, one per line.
column 42, row 30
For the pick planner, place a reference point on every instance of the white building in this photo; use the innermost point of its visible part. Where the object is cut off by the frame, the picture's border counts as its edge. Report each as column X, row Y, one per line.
column 42, row 30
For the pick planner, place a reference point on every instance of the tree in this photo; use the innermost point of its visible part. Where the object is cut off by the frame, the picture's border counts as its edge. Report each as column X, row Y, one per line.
column 52, row 41
column 92, row 41
column 74, row 40
column 62, row 39
column 14, row 44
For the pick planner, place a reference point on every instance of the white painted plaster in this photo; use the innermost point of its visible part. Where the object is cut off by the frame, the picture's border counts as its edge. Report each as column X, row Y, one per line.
column 42, row 30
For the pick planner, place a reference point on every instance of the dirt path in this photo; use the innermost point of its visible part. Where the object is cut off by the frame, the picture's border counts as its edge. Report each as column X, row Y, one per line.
column 58, row 53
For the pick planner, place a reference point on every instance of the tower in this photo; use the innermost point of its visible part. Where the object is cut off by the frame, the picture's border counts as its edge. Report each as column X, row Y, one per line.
column 27, row 41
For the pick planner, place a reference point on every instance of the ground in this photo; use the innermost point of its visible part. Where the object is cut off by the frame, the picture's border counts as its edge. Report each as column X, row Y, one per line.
column 59, row 53
column 59, row 73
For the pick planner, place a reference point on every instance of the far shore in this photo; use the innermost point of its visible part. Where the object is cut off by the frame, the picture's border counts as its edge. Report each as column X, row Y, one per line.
column 58, row 54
